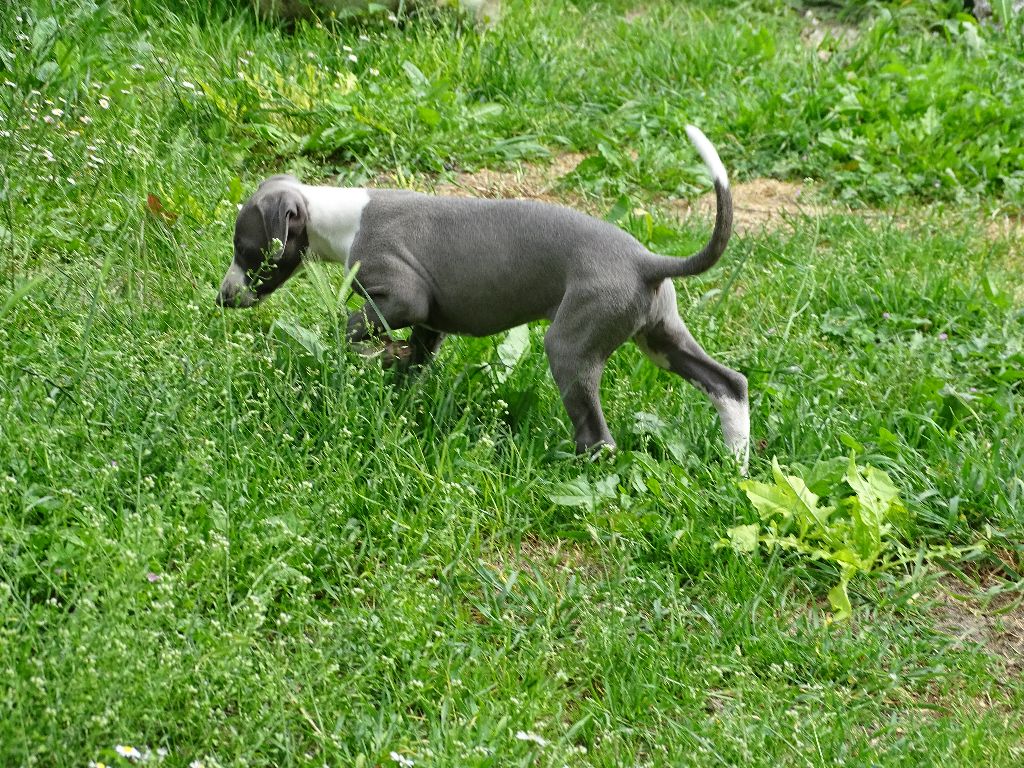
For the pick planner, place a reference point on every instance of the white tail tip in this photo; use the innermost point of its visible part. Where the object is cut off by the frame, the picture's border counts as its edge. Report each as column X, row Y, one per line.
column 708, row 154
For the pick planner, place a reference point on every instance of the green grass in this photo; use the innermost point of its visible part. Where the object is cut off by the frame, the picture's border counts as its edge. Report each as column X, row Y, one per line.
column 217, row 542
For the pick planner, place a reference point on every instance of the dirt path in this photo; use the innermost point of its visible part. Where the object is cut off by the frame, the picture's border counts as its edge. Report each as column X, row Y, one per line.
column 759, row 204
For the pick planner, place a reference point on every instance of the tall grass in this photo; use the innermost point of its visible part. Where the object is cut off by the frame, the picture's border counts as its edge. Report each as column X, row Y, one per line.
column 221, row 542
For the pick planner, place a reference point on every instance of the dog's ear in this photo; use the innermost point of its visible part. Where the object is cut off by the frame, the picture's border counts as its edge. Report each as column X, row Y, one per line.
column 284, row 217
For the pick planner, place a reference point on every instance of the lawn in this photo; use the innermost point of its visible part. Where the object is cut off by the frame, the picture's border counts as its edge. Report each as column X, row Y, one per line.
column 226, row 539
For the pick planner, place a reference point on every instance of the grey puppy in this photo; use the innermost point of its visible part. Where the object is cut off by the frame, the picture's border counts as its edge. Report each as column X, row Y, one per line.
column 474, row 266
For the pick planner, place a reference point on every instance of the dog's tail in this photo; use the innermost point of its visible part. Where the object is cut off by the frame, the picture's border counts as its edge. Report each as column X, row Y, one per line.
column 661, row 267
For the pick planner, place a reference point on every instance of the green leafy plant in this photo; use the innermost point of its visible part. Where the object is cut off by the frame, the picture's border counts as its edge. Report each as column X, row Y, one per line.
column 854, row 532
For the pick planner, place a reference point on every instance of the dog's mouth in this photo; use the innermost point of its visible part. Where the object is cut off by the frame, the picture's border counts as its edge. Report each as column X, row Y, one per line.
column 236, row 289
column 240, row 299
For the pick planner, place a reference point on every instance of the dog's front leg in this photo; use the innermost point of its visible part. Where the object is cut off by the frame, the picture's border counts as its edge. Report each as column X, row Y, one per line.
column 381, row 314
column 424, row 343
column 411, row 355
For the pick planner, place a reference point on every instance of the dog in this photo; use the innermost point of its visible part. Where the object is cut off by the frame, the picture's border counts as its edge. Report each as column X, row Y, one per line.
column 446, row 265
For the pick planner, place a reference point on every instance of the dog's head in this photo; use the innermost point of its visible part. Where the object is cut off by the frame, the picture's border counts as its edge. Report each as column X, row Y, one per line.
column 270, row 243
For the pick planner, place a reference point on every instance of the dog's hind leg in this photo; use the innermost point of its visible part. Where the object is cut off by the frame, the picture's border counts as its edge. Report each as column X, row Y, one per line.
column 669, row 344
column 578, row 345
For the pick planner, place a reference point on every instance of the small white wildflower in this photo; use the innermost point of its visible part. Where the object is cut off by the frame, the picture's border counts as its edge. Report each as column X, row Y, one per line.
column 57, row 112
column 365, row 38
column 196, row 764
column 137, row 67
column 85, row 119
column 128, row 751
column 187, row 84
column 402, row 760
column 71, row 181
column 104, row 102
column 540, row 741
column 353, row 57
column 373, row 71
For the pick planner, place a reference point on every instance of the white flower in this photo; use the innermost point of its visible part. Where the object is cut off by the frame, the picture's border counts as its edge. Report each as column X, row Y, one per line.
column 57, row 112
column 187, row 84
column 126, row 751
column 104, row 102
column 353, row 57
column 196, row 764
column 85, row 119
column 402, row 760
column 540, row 741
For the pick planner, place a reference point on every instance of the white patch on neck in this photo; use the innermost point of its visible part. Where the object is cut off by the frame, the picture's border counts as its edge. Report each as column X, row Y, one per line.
column 334, row 217
column 735, row 418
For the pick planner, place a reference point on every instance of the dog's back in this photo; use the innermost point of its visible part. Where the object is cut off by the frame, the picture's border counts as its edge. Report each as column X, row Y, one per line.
column 492, row 264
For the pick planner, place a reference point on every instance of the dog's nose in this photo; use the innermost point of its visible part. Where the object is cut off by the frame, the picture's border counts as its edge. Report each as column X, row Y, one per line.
column 236, row 299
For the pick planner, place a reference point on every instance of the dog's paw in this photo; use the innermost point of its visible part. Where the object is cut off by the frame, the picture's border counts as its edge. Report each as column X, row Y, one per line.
column 396, row 354
column 390, row 352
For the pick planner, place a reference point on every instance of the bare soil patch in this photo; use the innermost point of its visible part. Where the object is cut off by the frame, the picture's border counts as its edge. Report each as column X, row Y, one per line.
column 549, row 558
column 531, row 181
column 825, row 36
column 759, row 204
column 996, row 625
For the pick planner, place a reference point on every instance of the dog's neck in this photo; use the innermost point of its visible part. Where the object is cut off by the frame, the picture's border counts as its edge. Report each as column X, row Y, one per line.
column 334, row 214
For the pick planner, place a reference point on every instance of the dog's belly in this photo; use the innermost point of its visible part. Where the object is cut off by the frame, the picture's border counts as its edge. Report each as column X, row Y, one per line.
column 483, row 315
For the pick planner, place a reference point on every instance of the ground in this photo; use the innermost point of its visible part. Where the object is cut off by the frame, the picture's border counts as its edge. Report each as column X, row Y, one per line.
column 230, row 540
